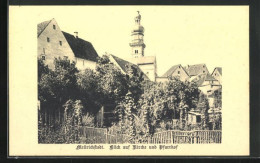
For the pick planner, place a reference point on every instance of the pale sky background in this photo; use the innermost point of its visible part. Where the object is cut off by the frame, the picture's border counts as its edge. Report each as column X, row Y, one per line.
column 174, row 34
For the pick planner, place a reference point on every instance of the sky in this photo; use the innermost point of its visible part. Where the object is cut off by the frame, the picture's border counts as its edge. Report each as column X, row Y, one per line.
column 174, row 34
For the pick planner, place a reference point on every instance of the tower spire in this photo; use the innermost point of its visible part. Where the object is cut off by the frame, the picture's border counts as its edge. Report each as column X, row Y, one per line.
column 137, row 44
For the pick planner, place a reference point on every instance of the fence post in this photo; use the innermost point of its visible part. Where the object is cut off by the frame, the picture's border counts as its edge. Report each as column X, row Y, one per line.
column 106, row 136
column 171, row 141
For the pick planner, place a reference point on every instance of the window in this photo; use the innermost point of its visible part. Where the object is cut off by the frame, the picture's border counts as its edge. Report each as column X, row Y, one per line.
column 215, row 74
column 65, row 57
column 198, row 118
column 179, row 72
column 60, row 43
column 43, row 57
column 54, row 27
column 48, row 39
column 136, row 51
column 203, row 71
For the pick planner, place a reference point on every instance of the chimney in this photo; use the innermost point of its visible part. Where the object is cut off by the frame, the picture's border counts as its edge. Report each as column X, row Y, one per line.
column 76, row 34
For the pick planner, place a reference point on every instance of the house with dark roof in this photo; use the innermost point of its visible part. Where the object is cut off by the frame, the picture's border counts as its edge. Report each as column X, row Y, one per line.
column 55, row 43
column 217, row 74
column 176, row 71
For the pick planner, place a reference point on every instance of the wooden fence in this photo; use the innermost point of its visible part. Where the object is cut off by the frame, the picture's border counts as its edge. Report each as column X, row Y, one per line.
column 103, row 136
column 186, row 137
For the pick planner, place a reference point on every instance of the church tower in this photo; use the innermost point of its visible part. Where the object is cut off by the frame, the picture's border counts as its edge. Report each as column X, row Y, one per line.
column 137, row 44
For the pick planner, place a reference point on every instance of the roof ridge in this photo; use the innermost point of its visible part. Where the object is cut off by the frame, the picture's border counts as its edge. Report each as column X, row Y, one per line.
column 45, row 26
column 171, row 70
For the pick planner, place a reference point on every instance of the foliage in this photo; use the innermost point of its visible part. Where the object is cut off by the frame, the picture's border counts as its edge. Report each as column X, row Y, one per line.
column 218, row 98
column 88, row 120
column 72, row 98
column 203, row 105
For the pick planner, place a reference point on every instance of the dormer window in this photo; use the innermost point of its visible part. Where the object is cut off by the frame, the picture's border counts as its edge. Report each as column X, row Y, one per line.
column 54, row 26
column 48, row 39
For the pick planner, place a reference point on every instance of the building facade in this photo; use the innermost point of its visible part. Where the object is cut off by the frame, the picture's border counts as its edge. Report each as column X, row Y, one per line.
column 176, row 71
column 217, row 74
column 55, row 43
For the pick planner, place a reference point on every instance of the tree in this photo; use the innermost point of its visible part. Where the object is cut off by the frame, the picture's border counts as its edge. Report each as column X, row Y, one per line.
column 135, row 79
column 55, row 87
column 129, row 109
column 203, row 106
column 112, row 84
column 218, row 98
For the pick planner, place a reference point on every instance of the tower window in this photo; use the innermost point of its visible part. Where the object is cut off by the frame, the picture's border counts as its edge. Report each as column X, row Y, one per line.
column 60, row 43
column 54, row 26
column 48, row 39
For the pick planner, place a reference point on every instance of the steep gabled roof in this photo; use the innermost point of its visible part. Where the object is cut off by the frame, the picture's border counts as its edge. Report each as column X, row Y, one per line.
column 81, row 48
column 219, row 70
column 194, row 70
column 41, row 27
column 171, row 71
column 123, row 65
column 203, row 77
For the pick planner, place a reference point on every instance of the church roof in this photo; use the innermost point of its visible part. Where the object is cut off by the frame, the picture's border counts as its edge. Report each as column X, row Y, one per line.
column 123, row 65
column 81, row 48
column 194, row 70
column 41, row 26
column 143, row 60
